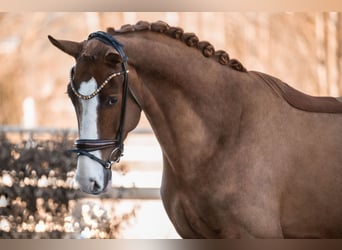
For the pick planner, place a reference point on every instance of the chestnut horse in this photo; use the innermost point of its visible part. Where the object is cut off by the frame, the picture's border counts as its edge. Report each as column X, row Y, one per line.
column 244, row 154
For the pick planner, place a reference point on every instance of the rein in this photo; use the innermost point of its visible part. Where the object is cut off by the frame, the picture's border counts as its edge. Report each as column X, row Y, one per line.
column 85, row 146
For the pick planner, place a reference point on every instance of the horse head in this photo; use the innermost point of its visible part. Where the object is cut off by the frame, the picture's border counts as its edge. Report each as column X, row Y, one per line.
column 105, row 105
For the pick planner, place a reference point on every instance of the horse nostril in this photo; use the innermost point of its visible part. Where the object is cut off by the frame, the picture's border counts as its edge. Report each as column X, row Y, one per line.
column 95, row 187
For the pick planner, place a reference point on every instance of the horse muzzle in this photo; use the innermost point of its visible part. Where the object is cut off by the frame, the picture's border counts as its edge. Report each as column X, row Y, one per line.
column 89, row 175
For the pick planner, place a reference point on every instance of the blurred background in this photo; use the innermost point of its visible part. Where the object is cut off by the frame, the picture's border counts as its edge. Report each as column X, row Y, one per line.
column 38, row 196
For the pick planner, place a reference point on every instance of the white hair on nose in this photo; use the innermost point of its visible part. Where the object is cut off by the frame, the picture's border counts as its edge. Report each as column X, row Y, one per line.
column 88, row 126
column 86, row 168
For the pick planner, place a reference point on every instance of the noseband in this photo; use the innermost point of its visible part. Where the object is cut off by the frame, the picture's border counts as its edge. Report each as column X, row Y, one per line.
column 85, row 146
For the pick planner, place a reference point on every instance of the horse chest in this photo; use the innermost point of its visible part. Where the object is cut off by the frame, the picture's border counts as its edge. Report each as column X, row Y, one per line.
column 189, row 219
column 193, row 209
column 186, row 211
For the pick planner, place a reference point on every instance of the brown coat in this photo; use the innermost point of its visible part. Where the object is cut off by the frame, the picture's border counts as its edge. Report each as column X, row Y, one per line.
column 245, row 155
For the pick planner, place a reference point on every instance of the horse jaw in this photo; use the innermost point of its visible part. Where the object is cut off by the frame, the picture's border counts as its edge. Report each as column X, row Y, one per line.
column 90, row 174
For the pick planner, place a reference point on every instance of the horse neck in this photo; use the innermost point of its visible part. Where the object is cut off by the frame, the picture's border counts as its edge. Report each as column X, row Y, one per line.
column 186, row 97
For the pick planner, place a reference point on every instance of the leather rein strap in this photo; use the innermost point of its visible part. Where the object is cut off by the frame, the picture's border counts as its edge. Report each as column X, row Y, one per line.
column 85, row 146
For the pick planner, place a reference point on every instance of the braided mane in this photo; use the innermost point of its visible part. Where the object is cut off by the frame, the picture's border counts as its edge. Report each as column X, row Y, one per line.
column 189, row 39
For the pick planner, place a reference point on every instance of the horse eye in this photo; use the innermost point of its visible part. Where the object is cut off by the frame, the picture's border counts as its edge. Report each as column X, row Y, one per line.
column 112, row 100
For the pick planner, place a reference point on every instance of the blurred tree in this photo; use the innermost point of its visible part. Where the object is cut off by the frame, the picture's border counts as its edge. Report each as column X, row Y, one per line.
column 11, row 97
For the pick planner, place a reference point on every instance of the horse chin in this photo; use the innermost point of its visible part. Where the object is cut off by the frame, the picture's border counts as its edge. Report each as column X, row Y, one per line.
column 108, row 187
column 108, row 180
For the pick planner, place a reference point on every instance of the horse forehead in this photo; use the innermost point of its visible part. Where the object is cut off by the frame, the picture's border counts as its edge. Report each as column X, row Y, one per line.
column 88, row 87
column 95, row 47
column 88, row 124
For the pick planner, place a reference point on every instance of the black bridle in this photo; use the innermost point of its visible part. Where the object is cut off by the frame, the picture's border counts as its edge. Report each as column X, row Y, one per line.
column 85, row 146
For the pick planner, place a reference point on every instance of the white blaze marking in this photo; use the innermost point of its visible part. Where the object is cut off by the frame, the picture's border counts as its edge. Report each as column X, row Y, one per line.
column 86, row 168
column 88, row 126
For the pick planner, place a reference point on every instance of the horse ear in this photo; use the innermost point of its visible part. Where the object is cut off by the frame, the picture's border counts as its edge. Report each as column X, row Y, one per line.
column 69, row 47
column 113, row 58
